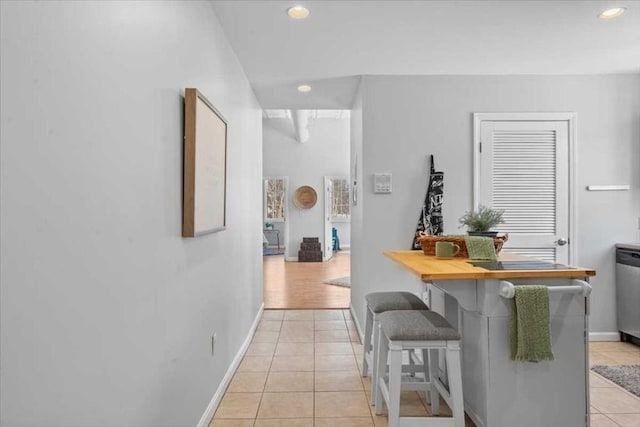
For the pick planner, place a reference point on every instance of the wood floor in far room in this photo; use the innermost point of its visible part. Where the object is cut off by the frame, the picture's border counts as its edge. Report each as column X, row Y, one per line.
column 298, row 285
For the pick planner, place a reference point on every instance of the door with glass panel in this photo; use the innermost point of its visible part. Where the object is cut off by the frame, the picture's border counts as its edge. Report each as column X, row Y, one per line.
column 275, row 212
column 337, row 212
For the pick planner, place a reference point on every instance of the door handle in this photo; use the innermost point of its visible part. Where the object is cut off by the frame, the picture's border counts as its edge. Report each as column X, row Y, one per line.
column 561, row 241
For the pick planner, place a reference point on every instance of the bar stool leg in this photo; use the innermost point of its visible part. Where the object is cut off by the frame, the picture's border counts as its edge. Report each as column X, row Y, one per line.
column 433, row 375
column 381, row 367
column 455, row 382
column 427, row 375
column 368, row 329
column 395, row 378
column 412, row 364
column 375, row 355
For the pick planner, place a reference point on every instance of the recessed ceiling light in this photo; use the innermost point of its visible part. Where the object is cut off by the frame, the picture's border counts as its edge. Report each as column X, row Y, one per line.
column 304, row 88
column 298, row 12
column 614, row 12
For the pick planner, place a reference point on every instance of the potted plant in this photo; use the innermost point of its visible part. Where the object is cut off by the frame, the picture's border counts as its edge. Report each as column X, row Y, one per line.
column 268, row 225
column 481, row 221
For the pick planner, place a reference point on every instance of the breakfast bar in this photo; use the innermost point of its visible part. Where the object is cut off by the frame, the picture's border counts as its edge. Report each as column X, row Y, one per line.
column 475, row 298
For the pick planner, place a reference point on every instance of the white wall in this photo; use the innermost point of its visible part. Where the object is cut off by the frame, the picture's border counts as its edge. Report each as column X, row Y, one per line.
column 107, row 312
column 407, row 118
column 326, row 153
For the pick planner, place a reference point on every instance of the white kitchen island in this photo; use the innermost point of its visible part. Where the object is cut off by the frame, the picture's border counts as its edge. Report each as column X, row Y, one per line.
column 497, row 391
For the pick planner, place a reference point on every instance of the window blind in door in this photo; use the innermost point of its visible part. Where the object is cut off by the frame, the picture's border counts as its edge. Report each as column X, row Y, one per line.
column 524, row 180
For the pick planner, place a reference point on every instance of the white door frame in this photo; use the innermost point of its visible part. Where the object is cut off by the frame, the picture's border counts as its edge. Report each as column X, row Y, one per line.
column 327, row 247
column 571, row 119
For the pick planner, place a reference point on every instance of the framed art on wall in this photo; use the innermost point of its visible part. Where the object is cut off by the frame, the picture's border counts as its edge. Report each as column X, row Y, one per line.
column 205, row 166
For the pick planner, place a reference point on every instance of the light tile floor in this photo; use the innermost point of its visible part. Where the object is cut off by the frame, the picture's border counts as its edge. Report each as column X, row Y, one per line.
column 611, row 405
column 303, row 370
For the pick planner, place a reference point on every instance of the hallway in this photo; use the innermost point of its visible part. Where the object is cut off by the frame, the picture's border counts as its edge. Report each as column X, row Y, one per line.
column 299, row 285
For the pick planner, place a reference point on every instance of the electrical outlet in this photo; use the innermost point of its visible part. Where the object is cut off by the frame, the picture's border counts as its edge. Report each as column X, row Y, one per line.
column 214, row 337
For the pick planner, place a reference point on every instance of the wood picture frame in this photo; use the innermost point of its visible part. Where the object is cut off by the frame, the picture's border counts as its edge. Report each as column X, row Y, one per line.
column 205, row 166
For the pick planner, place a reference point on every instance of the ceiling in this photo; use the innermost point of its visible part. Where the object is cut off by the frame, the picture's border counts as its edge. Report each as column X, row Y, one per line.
column 342, row 40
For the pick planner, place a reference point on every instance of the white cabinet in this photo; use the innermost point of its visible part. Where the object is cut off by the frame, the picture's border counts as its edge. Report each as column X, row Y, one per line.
column 499, row 392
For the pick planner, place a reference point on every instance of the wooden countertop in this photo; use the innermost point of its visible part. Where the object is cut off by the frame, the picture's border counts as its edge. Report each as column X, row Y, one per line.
column 432, row 268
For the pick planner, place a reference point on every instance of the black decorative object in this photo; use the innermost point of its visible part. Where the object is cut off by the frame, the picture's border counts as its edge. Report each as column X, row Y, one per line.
column 430, row 221
column 310, row 250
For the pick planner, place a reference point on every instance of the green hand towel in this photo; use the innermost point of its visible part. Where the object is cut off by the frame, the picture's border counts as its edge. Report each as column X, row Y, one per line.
column 529, row 324
column 480, row 247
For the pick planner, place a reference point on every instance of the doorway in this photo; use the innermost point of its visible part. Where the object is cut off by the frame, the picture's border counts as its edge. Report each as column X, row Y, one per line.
column 310, row 153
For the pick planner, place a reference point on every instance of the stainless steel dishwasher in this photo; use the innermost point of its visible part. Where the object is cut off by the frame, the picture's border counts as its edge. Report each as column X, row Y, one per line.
column 628, row 291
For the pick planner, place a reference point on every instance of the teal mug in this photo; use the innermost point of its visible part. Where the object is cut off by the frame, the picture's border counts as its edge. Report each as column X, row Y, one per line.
column 446, row 249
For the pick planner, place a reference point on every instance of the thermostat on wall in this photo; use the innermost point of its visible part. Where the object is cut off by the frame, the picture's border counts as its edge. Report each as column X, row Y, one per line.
column 382, row 183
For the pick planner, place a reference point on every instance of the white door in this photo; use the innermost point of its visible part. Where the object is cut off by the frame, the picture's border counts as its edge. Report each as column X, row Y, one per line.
column 523, row 167
column 275, row 210
column 327, row 251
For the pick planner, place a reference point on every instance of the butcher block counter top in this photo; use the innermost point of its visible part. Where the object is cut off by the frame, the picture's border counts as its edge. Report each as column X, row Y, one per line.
column 432, row 268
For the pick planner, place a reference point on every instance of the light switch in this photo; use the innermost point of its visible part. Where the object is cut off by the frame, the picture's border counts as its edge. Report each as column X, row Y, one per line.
column 382, row 183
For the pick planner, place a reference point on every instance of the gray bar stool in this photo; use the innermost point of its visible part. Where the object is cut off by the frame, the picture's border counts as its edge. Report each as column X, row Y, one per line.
column 429, row 332
column 377, row 303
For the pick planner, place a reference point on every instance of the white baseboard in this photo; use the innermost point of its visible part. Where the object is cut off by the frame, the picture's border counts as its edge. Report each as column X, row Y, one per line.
column 355, row 322
column 291, row 258
column 217, row 397
column 604, row 336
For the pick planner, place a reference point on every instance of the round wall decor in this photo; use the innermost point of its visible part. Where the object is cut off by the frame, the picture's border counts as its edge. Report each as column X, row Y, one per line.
column 305, row 197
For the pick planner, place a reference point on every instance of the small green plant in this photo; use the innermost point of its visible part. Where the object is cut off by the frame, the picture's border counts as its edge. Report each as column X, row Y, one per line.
column 268, row 225
column 483, row 219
